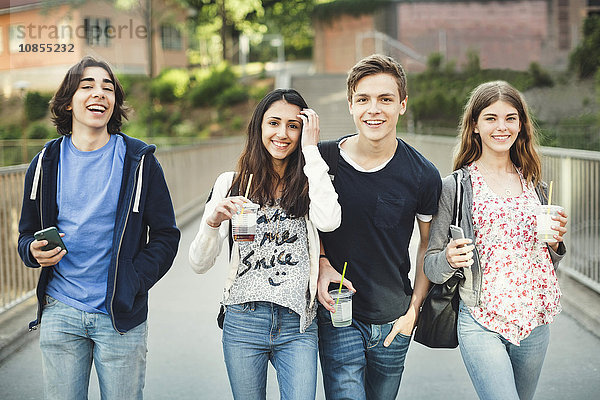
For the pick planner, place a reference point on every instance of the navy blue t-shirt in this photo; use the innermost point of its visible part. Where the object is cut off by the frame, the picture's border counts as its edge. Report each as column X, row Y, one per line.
column 378, row 215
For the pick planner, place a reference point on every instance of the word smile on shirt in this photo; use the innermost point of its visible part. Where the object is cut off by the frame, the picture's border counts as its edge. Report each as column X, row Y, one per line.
column 279, row 258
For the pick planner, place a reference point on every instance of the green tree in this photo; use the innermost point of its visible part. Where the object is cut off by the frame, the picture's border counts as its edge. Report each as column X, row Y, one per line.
column 36, row 105
column 434, row 62
column 292, row 19
column 585, row 59
column 473, row 64
column 227, row 19
column 541, row 77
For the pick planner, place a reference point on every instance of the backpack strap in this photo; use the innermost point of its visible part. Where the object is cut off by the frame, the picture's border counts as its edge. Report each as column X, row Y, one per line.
column 331, row 153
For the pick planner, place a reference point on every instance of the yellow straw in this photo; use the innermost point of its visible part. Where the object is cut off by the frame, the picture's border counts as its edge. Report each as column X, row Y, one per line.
column 341, row 282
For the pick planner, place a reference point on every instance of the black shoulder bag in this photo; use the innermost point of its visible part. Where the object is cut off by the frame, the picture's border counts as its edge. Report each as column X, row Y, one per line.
column 437, row 322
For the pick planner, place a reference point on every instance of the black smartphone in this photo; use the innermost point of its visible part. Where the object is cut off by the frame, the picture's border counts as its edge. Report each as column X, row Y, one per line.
column 53, row 238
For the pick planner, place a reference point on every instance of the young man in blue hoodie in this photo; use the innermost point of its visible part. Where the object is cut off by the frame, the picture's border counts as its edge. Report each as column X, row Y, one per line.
column 107, row 194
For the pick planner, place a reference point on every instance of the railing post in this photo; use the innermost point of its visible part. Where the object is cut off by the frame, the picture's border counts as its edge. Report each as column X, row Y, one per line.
column 566, row 184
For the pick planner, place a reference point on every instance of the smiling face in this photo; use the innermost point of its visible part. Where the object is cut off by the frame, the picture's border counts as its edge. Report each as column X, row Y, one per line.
column 281, row 128
column 498, row 125
column 93, row 102
column 376, row 106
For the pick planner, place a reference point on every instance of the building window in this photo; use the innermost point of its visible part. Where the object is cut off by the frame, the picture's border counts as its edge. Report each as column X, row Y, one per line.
column 97, row 31
column 15, row 37
column 66, row 31
column 170, row 37
column 564, row 31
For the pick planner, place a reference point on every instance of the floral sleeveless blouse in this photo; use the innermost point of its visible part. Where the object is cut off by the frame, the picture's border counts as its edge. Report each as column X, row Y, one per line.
column 519, row 288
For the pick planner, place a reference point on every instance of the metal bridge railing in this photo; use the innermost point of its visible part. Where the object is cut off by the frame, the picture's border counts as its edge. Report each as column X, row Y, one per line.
column 190, row 172
column 576, row 177
column 16, row 281
column 576, row 187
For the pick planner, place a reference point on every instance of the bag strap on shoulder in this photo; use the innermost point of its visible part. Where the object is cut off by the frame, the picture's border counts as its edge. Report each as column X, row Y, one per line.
column 458, row 199
column 331, row 153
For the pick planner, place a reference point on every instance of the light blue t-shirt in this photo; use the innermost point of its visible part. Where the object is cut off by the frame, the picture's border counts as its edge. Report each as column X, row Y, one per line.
column 88, row 192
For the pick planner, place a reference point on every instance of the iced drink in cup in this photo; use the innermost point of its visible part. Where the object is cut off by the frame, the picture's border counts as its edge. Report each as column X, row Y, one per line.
column 343, row 309
column 544, row 214
column 243, row 223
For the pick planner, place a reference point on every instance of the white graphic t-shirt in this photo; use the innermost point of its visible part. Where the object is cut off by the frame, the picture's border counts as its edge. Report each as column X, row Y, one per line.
column 275, row 267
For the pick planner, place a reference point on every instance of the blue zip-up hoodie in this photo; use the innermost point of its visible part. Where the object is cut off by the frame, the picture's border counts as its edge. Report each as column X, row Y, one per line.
column 145, row 237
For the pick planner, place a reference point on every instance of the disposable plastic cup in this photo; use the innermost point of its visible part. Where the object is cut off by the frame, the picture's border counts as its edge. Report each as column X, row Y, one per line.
column 343, row 309
column 544, row 214
column 243, row 223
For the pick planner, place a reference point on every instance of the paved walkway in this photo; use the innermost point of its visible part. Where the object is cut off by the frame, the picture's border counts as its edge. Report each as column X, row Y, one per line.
column 185, row 359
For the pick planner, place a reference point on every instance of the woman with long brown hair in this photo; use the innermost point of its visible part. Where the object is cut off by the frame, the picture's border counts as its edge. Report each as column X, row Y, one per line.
column 510, row 292
column 270, row 292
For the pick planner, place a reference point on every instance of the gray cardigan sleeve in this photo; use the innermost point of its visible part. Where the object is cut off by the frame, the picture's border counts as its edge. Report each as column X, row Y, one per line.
column 436, row 266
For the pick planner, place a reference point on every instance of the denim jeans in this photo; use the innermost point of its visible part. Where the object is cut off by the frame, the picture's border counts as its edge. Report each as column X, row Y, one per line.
column 71, row 339
column 258, row 332
column 354, row 362
column 499, row 369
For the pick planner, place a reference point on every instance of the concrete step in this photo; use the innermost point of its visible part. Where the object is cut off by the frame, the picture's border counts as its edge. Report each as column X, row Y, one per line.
column 14, row 331
column 580, row 302
column 326, row 94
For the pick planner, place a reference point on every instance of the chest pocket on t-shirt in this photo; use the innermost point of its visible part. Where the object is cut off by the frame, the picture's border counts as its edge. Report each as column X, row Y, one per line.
column 389, row 212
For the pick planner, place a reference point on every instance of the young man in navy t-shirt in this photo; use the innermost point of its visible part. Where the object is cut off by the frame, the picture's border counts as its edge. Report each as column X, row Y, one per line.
column 383, row 184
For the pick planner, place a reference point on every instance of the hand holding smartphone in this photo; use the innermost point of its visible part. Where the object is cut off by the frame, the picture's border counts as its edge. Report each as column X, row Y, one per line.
column 456, row 232
column 52, row 236
column 458, row 257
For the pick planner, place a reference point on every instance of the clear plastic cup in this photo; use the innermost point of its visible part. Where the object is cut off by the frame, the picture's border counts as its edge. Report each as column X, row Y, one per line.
column 343, row 309
column 544, row 214
column 243, row 223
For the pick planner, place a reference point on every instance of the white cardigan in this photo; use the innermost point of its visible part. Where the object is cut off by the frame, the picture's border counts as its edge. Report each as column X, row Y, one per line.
column 324, row 214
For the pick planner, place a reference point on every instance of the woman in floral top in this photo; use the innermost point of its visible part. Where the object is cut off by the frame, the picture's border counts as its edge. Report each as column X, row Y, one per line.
column 510, row 293
column 271, row 286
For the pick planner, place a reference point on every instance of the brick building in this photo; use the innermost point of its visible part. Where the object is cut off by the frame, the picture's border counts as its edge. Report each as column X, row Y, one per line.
column 40, row 40
column 505, row 33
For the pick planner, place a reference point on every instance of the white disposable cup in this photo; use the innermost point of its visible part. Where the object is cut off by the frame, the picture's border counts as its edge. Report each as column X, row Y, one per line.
column 243, row 223
column 544, row 214
column 343, row 309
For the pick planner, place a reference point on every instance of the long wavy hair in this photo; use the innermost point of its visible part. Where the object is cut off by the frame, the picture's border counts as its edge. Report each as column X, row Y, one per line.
column 523, row 152
column 256, row 160
column 63, row 118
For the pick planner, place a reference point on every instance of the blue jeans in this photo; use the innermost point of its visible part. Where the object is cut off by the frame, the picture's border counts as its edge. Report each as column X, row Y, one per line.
column 258, row 332
column 71, row 339
column 354, row 362
column 499, row 369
